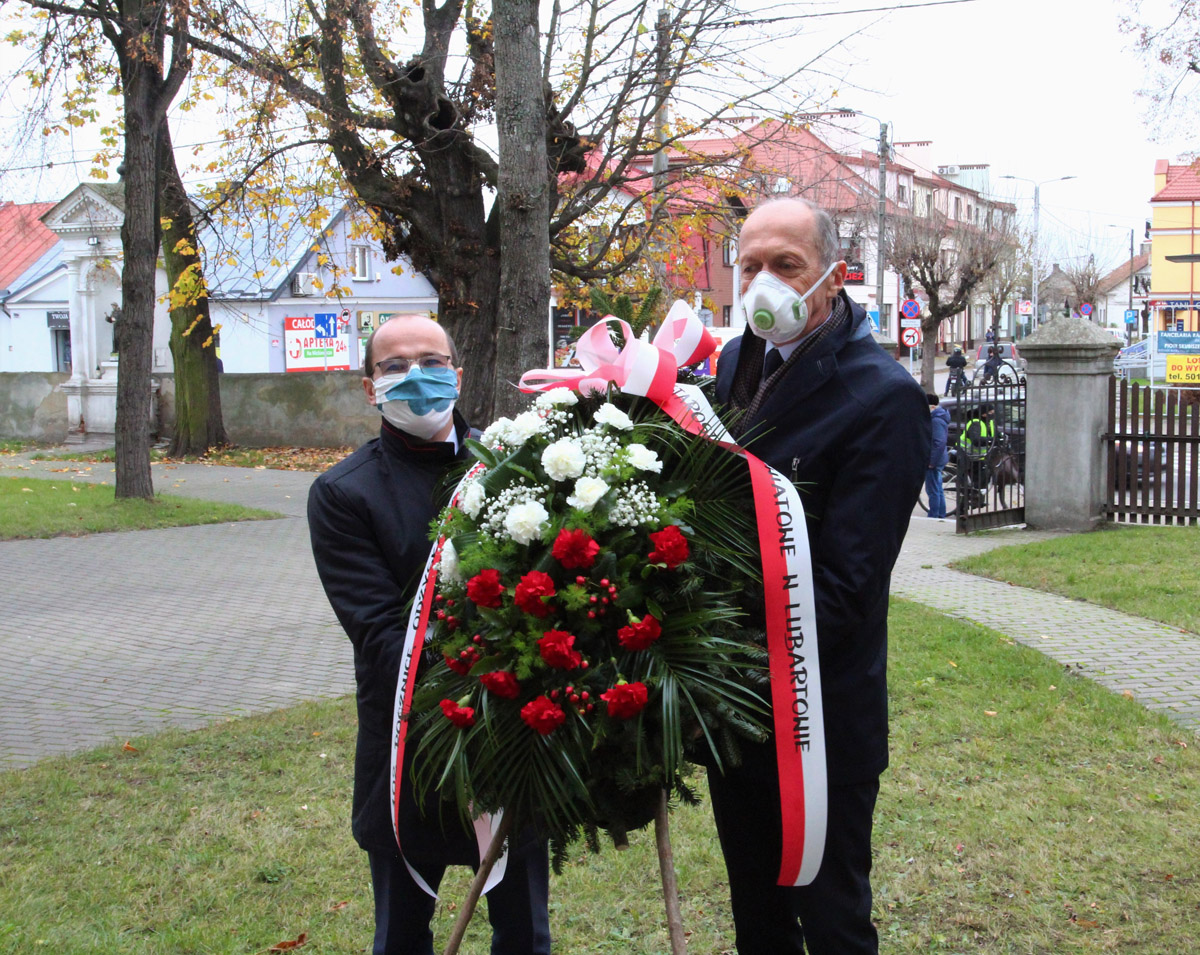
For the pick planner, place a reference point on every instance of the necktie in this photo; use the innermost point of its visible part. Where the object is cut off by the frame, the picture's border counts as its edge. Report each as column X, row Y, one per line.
column 771, row 363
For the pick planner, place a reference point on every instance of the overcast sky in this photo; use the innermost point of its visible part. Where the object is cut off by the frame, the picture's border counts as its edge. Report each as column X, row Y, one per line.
column 1035, row 88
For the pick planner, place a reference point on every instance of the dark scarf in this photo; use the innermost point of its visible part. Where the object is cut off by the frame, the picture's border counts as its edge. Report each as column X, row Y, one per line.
column 749, row 391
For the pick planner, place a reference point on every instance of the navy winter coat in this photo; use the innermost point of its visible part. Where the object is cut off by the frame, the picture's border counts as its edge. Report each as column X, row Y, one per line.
column 369, row 518
column 939, row 418
column 851, row 427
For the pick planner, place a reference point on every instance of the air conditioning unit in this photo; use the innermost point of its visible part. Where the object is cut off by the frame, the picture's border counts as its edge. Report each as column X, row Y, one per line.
column 947, row 170
column 304, row 283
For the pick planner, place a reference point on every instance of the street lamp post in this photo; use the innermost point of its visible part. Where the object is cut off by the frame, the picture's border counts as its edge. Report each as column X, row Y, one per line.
column 881, row 206
column 1037, row 205
column 1128, row 327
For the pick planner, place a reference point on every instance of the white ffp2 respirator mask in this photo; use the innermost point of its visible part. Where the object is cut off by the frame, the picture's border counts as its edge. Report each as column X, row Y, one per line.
column 774, row 310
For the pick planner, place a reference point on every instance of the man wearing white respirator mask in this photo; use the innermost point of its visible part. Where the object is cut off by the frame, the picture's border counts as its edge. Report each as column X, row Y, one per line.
column 825, row 406
column 369, row 521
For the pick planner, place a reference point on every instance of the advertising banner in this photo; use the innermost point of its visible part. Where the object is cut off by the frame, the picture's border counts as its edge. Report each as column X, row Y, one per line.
column 1183, row 370
column 303, row 351
column 1178, row 343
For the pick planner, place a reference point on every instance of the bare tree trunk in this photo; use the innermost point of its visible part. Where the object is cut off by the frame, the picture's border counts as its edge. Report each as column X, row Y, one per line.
column 134, row 331
column 522, row 338
column 198, row 419
column 929, row 336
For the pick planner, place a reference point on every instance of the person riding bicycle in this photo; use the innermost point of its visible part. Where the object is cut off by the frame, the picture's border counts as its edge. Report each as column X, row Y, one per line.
column 956, row 362
column 977, row 438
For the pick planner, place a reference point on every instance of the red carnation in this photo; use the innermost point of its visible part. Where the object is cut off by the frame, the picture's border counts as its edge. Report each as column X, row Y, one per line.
column 670, row 547
column 555, row 648
column 463, row 662
column 485, row 588
column 529, row 593
column 543, row 715
column 640, row 634
column 575, row 549
column 502, row 683
column 460, row 716
column 625, row 700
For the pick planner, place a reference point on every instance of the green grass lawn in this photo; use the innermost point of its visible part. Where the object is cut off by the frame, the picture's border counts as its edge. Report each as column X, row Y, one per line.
column 1151, row 572
column 1027, row 810
column 36, row 507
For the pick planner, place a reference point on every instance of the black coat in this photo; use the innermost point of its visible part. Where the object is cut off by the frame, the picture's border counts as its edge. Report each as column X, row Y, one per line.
column 369, row 519
column 851, row 427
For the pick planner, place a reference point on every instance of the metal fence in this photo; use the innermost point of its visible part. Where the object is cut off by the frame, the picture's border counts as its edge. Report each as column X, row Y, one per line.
column 1153, row 441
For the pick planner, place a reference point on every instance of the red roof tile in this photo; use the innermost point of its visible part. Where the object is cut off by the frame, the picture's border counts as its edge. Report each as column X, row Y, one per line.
column 23, row 238
column 1183, row 182
column 1122, row 272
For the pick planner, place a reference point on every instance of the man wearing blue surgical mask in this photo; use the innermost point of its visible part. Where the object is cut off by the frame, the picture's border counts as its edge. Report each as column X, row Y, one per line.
column 369, row 519
column 825, row 406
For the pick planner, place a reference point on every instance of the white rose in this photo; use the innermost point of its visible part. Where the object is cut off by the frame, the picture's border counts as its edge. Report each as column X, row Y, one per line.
column 614, row 417
column 588, row 490
column 448, row 566
column 524, row 426
column 642, row 458
column 563, row 459
column 471, row 500
column 525, row 522
column 496, row 432
column 555, row 398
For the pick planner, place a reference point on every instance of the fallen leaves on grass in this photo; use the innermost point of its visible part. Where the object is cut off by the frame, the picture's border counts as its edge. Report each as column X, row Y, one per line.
column 338, row 906
column 289, row 945
column 128, row 747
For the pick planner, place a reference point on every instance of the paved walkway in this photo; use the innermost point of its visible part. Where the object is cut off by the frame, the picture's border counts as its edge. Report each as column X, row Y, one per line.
column 112, row 636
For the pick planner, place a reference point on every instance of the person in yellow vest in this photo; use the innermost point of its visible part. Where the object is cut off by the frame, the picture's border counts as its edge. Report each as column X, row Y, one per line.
column 976, row 439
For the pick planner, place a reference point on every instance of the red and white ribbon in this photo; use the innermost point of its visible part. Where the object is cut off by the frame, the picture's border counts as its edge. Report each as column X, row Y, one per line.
column 650, row 369
column 414, row 642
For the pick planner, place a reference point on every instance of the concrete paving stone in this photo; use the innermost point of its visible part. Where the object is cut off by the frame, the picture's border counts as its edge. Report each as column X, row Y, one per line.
column 121, row 635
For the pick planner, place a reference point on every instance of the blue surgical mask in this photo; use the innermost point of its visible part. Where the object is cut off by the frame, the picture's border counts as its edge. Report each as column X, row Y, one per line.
column 420, row 403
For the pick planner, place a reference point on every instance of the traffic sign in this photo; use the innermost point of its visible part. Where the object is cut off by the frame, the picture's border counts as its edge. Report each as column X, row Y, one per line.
column 910, row 323
column 325, row 325
column 910, row 337
column 1025, row 307
column 1131, row 316
column 1085, row 309
column 910, row 308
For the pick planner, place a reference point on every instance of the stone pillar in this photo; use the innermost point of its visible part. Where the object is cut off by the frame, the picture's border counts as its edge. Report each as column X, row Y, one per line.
column 1070, row 362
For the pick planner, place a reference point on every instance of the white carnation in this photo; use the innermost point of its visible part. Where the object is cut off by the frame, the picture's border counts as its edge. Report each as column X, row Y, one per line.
column 524, row 426
column 472, row 498
column 448, row 566
column 563, row 459
column 642, row 458
column 526, row 521
column 496, row 432
column 555, row 398
column 588, row 490
column 614, row 417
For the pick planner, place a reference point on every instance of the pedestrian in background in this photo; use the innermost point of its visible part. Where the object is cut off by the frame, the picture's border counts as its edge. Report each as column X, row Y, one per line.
column 939, row 454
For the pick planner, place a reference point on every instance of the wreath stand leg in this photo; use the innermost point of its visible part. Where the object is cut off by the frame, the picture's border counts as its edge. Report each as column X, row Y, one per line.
column 666, row 867
column 476, row 889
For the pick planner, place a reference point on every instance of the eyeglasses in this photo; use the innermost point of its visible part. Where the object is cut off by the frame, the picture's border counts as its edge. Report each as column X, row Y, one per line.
column 400, row 366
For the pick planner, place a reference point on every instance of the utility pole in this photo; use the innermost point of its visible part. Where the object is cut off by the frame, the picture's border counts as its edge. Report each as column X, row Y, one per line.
column 1037, row 207
column 659, row 167
column 879, row 244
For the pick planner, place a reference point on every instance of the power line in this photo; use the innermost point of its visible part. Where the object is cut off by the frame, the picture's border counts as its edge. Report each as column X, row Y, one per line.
column 839, row 13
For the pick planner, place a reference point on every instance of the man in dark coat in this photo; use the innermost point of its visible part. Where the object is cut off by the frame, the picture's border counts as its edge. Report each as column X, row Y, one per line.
column 369, row 519
column 825, row 406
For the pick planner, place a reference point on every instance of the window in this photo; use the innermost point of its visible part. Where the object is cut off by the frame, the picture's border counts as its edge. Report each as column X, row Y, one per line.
column 929, row 203
column 957, row 207
column 360, row 261
column 729, row 252
column 901, row 193
column 726, row 314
